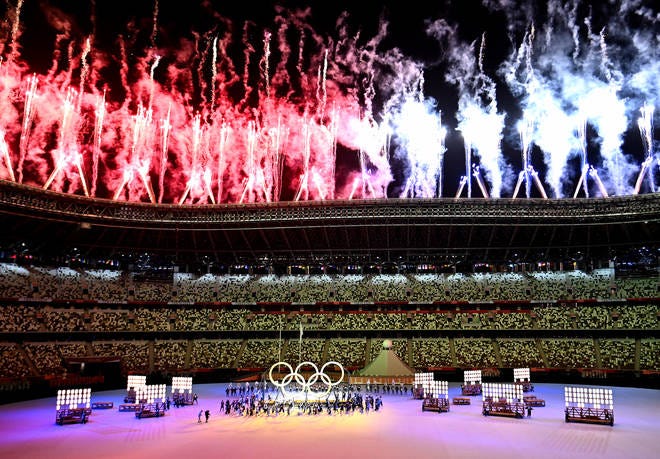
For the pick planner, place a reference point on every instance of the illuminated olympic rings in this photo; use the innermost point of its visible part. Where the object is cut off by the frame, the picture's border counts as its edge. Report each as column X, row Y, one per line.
column 306, row 384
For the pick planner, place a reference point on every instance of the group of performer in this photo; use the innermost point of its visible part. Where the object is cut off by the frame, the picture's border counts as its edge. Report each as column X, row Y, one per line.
column 344, row 403
column 264, row 399
column 390, row 389
column 263, row 387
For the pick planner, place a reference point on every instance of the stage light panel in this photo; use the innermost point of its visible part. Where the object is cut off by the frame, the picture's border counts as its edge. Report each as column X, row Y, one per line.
column 151, row 393
column 521, row 374
column 436, row 389
column 426, row 387
column 430, row 387
column 472, row 376
column 421, row 378
column 181, row 384
column 512, row 393
column 136, row 381
column 443, row 389
column 73, row 397
column 588, row 397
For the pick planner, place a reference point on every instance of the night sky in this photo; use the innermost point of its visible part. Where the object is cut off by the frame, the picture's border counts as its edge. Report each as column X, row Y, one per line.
column 630, row 31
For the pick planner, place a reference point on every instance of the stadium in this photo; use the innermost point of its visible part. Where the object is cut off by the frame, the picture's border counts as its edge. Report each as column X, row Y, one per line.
column 271, row 215
column 568, row 288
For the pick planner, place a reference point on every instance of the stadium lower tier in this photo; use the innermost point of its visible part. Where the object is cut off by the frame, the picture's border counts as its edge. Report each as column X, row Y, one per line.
column 71, row 318
column 58, row 343
column 56, row 359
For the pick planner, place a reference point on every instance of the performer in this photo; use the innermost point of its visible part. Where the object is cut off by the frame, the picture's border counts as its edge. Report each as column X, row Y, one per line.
column 207, row 414
column 199, row 417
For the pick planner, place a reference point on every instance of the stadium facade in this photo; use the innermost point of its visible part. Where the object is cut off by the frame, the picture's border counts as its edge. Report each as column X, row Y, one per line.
column 100, row 289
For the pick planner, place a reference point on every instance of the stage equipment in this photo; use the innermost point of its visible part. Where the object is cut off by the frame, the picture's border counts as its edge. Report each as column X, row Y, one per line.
column 102, row 405
column 531, row 400
column 133, row 383
column 461, row 401
column 503, row 400
column 589, row 404
column 521, row 376
column 525, row 176
column 645, row 124
column 465, row 180
column 436, row 396
column 420, row 380
column 73, row 406
column 152, row 403
column 182, row 393
column 129, row 407
column 295, row 386
column 472, row 382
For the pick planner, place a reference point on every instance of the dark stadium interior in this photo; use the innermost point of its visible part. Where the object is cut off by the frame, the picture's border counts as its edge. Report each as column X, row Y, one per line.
column 456, row 234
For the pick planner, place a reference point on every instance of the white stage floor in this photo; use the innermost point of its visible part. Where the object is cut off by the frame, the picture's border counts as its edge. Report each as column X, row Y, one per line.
column 399, row 430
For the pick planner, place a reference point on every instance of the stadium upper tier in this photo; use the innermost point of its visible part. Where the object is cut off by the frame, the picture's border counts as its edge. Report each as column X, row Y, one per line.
column 106, row 286
column 477, row 230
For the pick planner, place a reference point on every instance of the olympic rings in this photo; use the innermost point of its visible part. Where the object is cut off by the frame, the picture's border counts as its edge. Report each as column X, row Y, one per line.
column 306, row 384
